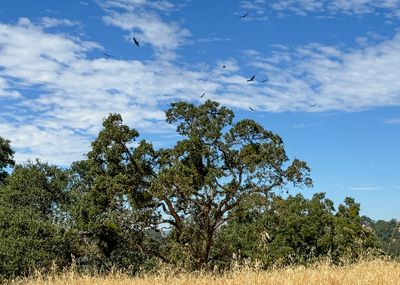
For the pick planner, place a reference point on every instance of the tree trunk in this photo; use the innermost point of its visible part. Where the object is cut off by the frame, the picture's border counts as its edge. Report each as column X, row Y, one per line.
column 205, row 250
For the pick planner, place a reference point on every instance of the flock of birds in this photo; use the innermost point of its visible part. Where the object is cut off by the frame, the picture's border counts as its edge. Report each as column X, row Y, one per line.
column 251, row 79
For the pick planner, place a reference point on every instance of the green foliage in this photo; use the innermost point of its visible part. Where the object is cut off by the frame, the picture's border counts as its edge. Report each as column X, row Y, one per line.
column 294, row 230
column 111, row 206
column 388, row 234
column 213, row 189
column 31, row 229
column 350, row 237
column 215, row 168
column 6, row 158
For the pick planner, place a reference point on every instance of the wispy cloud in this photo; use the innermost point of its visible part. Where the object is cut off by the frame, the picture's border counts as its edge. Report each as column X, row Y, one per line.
column 213, row 39
column 336, row 186
column 6, row 91
column 48, row 22
column 57, row 94
column 360, row 187
column 142, row 18
column 304, row 125
column 392, row 121
column 365, row 187
column 255, row 8
column 74, row 93
column 389, row 8
column 256, row 5
column 301, row 7
column 332, row 77
column 60, row 95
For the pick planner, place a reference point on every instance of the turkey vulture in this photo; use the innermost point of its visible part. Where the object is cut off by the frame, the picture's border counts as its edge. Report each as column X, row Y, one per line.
column 108, row 55
column 135, row 41
column 251, row 79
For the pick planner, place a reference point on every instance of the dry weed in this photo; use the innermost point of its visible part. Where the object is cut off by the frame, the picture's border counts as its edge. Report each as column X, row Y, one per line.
column 367, row 272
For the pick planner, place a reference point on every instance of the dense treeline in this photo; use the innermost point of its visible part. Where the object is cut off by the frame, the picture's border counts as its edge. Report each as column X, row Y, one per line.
column 211, row 198
column 388, row 234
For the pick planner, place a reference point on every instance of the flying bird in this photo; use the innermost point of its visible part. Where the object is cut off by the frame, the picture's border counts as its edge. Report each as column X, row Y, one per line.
column 108, row 55
column 251, row 79
column 224, row 66
column 135, row 41
column 244, row 15
column 313, row 105
column 265, row 80
column 202, row 95
column 251, row 109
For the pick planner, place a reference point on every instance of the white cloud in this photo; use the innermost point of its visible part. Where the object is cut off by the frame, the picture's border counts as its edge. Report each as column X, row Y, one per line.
column 256, row 6
column 301, row 7
column 332, row 78
column 65, row 95
column 213, row 39
column 304, row 125
column 365, row 187
column 60, row 95
column 141, row 19
column 364, row 6
column 360, row 187
column 393, row 121
column 48, row 22
column 389, row 8
column 5, row 90
column 56, row 145
column 132, row 5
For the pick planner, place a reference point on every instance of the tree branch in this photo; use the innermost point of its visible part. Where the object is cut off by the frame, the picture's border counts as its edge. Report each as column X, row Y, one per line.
column 174, row 214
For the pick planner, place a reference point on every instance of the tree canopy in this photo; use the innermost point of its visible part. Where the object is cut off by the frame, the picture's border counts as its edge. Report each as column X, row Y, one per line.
column 213, row 195
column 111, row 204
column 214, row 169
column 295, row 230
column 31, row 219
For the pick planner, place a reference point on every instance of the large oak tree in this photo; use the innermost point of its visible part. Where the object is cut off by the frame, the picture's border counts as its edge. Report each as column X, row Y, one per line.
column 217, row 165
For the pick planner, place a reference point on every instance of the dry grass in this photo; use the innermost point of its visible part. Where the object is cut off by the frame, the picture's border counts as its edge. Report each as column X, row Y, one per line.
column 368, row 272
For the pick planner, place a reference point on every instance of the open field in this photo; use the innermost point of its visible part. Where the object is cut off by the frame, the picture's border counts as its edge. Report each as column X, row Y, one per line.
column 371, row 272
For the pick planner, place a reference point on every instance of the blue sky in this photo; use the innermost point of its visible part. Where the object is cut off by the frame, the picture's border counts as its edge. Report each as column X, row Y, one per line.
column 342, row 57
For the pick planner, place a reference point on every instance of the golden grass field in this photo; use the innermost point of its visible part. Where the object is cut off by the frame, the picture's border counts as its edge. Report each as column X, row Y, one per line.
column 366, row 272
